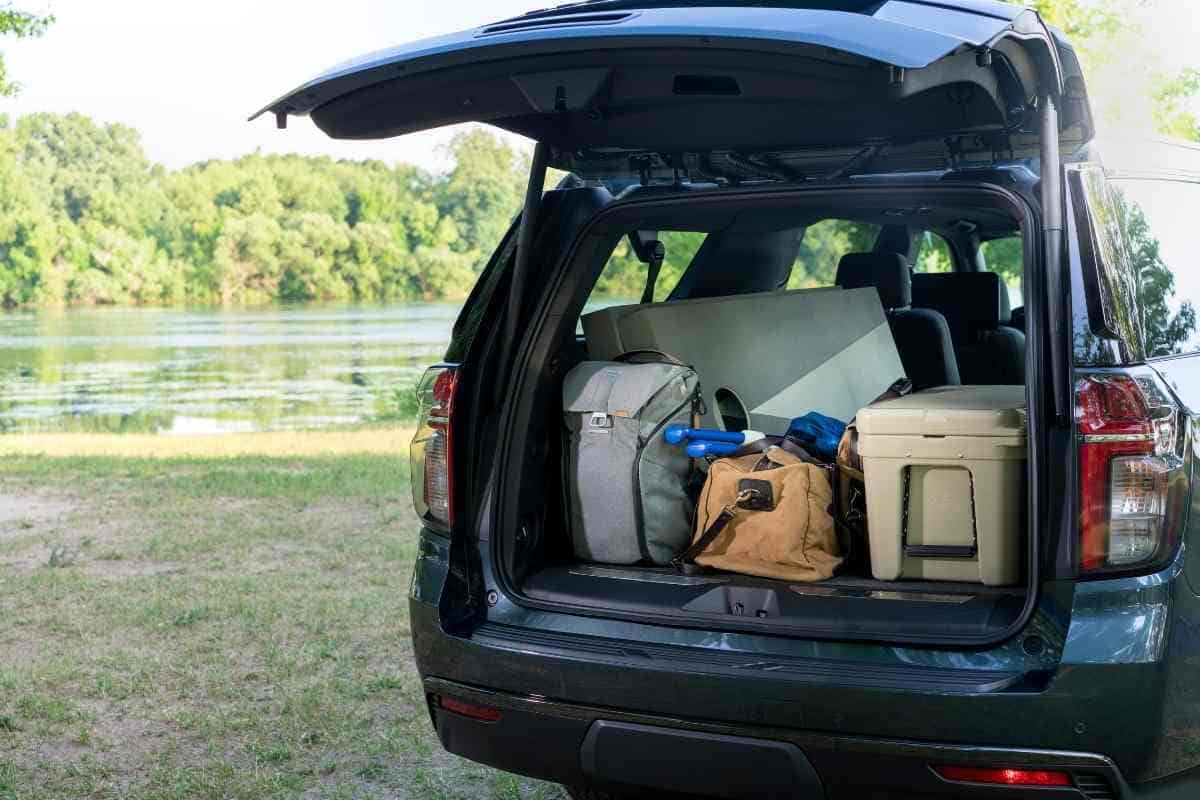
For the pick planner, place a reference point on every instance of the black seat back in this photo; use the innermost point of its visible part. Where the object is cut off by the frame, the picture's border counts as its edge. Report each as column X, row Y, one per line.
column 736, row 262
column 922, row 335
column 975, row 304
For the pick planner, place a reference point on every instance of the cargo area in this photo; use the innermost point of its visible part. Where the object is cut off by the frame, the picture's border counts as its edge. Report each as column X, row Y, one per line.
column 748, row 319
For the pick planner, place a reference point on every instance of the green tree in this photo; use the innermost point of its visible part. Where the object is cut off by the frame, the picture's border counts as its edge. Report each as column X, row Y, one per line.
column 483, row 192
column 20, row 25
column 88, row 219
column 1172, row 96
column 28, row 236
column 1166, row 330
column 823, row 246
column 1100, row 28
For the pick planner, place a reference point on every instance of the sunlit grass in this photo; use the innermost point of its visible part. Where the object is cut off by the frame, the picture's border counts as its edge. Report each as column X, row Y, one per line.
column 380, row 441
column 215, row 617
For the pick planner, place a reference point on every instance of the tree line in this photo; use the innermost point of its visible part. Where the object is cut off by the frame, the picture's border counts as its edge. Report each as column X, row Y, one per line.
column 87, row 219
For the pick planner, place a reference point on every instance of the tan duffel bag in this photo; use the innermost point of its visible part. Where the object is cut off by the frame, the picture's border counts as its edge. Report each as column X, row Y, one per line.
column 766, row 514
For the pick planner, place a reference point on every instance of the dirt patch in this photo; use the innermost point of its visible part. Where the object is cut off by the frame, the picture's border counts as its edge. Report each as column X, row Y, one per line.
column 29, row 512
column 124, row 568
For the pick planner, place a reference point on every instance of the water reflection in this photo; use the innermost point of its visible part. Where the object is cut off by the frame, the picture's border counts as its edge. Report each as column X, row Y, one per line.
column 172, row 371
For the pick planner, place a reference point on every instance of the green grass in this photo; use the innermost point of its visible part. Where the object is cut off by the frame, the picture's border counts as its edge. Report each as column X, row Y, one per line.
column 196, row 621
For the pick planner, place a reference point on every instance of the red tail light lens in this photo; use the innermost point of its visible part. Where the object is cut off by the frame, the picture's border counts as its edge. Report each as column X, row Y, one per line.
column 1005, row 777
column 482, row 713
column 431, row 453
column 1126, row 462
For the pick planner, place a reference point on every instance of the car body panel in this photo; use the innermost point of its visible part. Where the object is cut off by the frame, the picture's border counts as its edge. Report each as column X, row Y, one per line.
column 637, row 80
column 1101, row 676
column 902, row 34
column 1095, row 697
column 1108, row 666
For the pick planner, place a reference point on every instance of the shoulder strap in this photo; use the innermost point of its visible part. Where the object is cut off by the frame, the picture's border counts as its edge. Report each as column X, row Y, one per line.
column 687, row 558
column 685, row 561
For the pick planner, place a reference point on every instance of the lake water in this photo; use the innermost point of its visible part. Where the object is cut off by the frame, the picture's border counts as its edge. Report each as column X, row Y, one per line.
column 212, row 371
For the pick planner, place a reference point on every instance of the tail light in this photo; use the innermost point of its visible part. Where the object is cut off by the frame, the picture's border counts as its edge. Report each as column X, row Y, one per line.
column 431, row 453
column 1129, row 462
column 465, row 709
column 1005, row 777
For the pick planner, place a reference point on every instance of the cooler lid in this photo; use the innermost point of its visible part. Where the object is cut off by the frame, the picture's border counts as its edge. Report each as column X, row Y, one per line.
column 949, row 411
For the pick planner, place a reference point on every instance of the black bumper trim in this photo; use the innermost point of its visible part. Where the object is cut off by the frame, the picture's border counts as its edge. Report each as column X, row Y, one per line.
column 848, row 766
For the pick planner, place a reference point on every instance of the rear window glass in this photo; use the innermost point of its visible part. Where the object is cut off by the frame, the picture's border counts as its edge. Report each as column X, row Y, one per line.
column 624, row 277
column 1004, row 256
column 823, row 246
column 933, row 254
column 1160, row 235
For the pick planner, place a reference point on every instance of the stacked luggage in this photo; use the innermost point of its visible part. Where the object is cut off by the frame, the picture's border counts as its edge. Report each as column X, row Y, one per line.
column 918, row 486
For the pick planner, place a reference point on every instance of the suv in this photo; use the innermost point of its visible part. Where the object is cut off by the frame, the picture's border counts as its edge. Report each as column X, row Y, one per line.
column 727, row 149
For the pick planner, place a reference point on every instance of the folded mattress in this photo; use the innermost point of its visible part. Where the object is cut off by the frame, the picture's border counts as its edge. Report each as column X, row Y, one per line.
column 782, row 354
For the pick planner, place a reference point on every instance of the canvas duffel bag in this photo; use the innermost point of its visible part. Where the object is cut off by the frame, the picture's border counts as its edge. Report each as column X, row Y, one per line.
column 766, row 514
column 627, row 489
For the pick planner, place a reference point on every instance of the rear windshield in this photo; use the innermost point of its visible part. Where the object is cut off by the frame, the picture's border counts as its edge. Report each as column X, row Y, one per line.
column 818, row 250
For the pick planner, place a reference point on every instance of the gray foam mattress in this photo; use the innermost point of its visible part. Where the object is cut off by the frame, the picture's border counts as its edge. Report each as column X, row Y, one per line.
column 782, row 354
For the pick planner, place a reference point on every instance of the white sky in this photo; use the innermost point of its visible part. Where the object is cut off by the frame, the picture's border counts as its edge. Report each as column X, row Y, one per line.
column 187, row 74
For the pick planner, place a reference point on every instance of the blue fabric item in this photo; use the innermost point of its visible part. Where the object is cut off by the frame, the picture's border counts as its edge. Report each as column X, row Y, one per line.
column 818, row 433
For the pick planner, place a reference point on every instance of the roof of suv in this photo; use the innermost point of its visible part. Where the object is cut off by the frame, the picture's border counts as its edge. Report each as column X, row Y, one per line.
column 616, row 87
column 987, row 8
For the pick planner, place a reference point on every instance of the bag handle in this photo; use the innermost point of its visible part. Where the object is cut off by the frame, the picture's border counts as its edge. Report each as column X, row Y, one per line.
column 629, row 355
column 902, row 387
column 783, row 443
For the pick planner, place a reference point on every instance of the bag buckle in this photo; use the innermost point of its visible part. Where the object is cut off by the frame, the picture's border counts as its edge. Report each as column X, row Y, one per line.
column 755, row 495
column 742, row 500
column 599, row 420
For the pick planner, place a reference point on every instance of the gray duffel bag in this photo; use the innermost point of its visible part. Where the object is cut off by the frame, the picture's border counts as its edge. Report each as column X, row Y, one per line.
column 627, row 489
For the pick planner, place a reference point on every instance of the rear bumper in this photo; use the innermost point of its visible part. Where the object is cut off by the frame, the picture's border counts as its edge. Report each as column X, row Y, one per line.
column 580, row 744
column 1103, row 722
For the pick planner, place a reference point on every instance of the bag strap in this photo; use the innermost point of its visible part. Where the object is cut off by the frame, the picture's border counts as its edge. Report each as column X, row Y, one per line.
column 685, row 561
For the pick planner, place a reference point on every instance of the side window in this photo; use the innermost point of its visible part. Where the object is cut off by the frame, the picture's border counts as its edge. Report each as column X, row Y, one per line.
column 624, row 276
column 1162, row 243
column 823, row 246
column 1109, row 276
column 1004, row 256
column 933, row 254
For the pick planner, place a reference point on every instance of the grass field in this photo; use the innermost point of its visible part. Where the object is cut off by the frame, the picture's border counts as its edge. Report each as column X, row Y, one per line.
column 218, row 617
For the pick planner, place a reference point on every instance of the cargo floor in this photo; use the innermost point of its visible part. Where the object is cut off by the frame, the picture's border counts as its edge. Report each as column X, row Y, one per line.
column 843, row 606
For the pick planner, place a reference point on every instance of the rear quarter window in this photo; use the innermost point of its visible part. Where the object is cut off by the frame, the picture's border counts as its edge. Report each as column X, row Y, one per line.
column 933, row 254
column 822, row 247
column 1005, row 257
column 624, row 276
column 1160, row 234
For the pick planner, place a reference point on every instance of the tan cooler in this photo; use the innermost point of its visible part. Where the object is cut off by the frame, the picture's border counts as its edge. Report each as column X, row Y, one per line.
column 945, row 477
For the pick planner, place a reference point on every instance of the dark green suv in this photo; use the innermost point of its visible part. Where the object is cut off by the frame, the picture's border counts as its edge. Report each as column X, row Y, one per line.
column 722, row 149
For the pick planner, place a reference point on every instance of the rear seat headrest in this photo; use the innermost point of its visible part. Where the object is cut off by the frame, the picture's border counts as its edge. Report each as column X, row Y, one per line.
column 765, row 261
column 887, row 272
column 970, row 301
